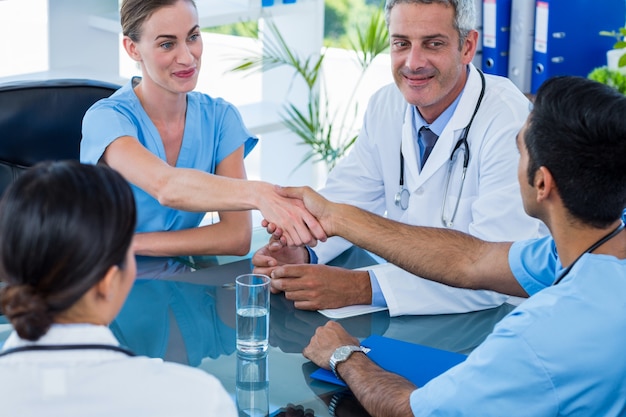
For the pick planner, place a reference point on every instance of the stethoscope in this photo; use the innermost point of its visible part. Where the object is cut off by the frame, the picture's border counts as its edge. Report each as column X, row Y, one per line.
column 30, row 348
column 593, row 247
column 403, row 194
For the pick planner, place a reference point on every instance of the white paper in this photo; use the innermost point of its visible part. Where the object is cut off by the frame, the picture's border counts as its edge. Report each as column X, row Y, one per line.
column 350, row 311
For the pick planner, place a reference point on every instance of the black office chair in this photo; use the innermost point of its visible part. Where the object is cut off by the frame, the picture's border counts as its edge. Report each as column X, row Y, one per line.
column 41, row 120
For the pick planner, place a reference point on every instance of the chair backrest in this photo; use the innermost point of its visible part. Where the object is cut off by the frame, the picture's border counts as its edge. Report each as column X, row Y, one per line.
column 42, row 120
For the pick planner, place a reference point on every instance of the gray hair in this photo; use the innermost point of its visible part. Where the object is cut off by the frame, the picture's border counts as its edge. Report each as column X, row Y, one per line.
column 464, row 14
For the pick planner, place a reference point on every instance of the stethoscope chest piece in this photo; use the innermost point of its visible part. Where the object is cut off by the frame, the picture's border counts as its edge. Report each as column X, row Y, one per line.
column 402, row 198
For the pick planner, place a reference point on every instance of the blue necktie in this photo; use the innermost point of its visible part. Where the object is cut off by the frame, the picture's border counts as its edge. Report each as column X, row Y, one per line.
column 428, row 140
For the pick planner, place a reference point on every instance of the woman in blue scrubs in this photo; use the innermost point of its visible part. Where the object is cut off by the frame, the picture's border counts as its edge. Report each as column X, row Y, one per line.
column 181, row 150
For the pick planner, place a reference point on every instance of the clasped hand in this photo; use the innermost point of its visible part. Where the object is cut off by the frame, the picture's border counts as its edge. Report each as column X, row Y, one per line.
column 310, row 286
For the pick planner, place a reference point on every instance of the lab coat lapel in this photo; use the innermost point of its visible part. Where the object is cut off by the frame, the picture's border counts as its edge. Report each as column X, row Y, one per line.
column 451, row 133
column 409, row 148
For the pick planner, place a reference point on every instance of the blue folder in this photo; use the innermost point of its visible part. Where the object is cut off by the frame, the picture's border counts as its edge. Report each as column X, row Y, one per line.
column 417, row 363
column 567, row 40
column 496, row 36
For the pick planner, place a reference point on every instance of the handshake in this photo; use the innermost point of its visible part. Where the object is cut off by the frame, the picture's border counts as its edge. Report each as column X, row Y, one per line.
column 317, row 224
column 313, row 286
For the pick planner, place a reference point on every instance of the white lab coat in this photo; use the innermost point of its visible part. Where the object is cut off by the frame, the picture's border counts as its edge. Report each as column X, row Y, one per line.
column 102, row 382
column 490, row 206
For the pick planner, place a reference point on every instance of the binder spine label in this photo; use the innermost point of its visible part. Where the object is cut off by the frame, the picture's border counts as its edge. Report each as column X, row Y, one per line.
column 541, row 27
column 489, row 23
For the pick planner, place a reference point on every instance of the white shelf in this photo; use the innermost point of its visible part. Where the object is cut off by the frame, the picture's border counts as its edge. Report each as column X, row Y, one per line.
column 262, row 117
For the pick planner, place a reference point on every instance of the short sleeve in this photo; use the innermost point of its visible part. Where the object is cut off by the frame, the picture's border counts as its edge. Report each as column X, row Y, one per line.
column 101, row 126
column 237, row 133
column 534, row 263
column 214, row 130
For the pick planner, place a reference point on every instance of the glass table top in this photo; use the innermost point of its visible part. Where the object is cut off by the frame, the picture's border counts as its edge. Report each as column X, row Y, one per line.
column 187, row 315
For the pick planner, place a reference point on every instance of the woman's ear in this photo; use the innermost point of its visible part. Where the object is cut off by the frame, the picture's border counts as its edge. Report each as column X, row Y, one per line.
column 107, row 286
column 131, row 49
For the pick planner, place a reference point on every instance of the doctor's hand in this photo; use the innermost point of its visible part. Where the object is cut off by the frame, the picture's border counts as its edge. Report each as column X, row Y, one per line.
column 315, row 287
column 298, row 226
column 317, row 205
column 276, row 253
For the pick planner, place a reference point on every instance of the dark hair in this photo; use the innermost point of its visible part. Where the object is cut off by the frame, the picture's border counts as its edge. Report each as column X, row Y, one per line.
column 134, row 13
column 464, row 14
column 577, row 130
column 62, row 226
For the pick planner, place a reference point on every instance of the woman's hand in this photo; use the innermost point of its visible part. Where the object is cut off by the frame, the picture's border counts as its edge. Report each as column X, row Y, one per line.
column 297, row 225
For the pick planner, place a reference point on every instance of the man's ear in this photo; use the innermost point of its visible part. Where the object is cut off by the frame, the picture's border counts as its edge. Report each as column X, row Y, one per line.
column 131, row 49
column 469, row 47
column 107, row 286
column 544, row 183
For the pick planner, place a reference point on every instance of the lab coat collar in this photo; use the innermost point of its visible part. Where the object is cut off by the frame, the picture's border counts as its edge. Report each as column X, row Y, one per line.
column 67, row 334
column 452, row 131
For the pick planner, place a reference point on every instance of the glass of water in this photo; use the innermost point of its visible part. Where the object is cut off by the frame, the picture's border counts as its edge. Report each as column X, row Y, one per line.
column 253, row 313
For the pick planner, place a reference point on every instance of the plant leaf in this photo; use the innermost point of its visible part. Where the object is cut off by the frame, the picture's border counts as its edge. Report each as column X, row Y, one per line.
column 328, row 136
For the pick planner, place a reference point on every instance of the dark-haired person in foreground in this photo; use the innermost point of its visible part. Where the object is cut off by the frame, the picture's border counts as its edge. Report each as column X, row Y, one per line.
column 66, row 258
column 561, row 352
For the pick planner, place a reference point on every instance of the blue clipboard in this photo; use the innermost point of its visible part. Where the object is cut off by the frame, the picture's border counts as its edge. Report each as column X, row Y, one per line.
column 417, row 363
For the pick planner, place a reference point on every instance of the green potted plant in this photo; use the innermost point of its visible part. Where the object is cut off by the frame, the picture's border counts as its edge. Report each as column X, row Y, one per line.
column 618, row 53
column 328, row 134
column 614, row 73
column 613, row 78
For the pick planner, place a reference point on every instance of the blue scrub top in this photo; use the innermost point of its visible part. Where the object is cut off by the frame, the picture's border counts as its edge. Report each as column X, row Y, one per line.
column 213, row 130
column 559, row 353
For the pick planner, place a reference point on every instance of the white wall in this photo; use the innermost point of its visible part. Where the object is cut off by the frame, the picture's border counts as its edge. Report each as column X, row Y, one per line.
column 24, row 46
column 23, row 36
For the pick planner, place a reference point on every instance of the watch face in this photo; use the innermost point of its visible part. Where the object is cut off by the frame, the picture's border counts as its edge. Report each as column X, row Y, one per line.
column 343, row 352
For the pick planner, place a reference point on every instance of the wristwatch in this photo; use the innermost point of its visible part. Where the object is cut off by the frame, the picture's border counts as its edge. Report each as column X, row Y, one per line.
column 342, row 353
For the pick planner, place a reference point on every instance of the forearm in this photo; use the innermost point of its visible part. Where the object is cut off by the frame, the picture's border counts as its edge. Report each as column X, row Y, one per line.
column 197, row 191
column 230, row 236
column 184, row 188
column 441, row 255
column 381, row 393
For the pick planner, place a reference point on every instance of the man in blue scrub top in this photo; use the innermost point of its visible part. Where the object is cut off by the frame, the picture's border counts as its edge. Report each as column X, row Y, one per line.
column 561, row 352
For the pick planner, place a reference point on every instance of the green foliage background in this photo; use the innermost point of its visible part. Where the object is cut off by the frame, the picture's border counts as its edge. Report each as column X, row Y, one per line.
column 342, row 17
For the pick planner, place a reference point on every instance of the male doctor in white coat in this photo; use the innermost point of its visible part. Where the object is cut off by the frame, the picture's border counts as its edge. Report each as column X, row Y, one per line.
column 389, row 171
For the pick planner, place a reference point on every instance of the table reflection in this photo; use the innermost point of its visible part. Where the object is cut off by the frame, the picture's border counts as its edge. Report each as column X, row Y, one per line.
column 292, row 329
column 252, row 394
column 177, row 321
